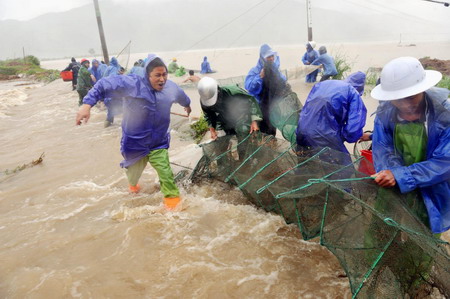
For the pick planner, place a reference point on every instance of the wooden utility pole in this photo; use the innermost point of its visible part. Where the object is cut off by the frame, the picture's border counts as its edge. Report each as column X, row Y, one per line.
column 100, row 30
column 309, row 20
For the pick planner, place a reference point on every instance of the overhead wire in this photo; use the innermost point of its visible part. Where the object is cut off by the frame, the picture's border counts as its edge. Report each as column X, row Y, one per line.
column 250, row 27
column 223, row 26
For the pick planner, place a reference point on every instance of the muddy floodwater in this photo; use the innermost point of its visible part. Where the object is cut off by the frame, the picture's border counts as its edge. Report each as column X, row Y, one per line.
column 70, row 229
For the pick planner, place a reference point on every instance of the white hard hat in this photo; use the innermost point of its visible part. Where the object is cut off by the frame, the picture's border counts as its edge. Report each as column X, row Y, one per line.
column 311, row 43
column 404, row 77
column 207, row 88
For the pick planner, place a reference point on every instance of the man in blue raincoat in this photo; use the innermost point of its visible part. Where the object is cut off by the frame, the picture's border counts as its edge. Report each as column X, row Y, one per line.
column 333, row 113
column 145, row 125
column 205, row 68
column 411, row 139
column 309, row 56
column 113, row 104
column 113, row 68
column 95, row 71
column 102, row 68
column 138, row 68
column 327, row 62
column 266, row 83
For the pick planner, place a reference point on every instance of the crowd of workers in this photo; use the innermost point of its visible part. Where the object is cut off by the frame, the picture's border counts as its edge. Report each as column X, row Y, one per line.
column 411, row 138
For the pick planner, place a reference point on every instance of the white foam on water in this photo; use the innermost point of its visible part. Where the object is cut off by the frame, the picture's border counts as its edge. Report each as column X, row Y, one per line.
column 43, row 279
column 10, row 98
column 270, row 279
column 60, row 217
column 74, row 289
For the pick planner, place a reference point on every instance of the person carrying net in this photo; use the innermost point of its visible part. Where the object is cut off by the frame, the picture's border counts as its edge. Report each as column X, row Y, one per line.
column 411, row 139
column 266, row 83
column 333, row 113
column 309, row 56
column 228, row 108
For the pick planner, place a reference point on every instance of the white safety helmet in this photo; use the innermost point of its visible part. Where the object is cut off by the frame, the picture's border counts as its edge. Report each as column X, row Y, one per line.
column 207, row 88
column 312, row 44
column 404, row 77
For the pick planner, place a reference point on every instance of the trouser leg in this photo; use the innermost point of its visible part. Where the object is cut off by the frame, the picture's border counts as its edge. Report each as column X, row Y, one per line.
column 81, row 95
column 159, row 159
column 134, row 171
column 109, row 114
column 240, row 135
column 326, row 77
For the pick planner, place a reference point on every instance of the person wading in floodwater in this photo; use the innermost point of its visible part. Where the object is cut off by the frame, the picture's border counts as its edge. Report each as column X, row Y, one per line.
column 145, row 124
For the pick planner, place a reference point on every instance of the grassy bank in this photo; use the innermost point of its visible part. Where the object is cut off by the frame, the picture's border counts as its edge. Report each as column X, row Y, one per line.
column 28, row 67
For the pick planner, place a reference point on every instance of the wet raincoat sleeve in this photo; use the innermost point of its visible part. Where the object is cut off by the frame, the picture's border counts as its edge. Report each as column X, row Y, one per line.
column 429, row 172
column 254, row 83
column 353, row 129
column 305, row 58
column 68, row 68
column 210, row 117
column 182, row 98
column 327, row 61
column 114, row 86
column 431, row 176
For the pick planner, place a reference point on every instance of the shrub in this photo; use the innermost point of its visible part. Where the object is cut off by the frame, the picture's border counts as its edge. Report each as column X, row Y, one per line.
column 32, row 60
column 4, row 70
column 445, row 82
column 199, row 128
column 342, row 66
column 372, row 77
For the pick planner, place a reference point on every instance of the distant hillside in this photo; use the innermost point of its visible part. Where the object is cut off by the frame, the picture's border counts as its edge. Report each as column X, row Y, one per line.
column 177, row 25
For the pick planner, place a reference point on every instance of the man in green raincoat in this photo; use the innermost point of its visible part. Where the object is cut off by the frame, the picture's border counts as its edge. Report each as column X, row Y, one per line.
column 84, row 82
column 228, row 108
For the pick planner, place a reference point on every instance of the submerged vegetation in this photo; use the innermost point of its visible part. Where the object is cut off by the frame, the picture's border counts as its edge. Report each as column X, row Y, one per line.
column 199, row 129
column 342, row 66
column 25, row 166
column 29, row 67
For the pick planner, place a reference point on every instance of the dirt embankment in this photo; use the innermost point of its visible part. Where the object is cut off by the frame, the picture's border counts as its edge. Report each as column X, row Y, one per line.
column 442, row 66
column 8, row 77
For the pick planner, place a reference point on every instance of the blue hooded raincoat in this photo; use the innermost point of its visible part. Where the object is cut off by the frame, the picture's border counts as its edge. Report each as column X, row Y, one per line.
column 357, row 80
column 113, row 68
column 137, row 70
column 205, row 67
column 253, row 82
column 333, row 113
column 146, row 117
column 102, row 68
column 329, row 68
column 307, row 59
column 432, row 176
column 95, row 71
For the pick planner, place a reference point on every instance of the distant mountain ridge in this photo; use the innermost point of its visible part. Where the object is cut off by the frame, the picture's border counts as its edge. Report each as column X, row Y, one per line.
column 178, row 25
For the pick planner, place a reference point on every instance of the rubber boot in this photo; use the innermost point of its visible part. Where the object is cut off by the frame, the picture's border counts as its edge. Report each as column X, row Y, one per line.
column 134, row 189
column 170, row 203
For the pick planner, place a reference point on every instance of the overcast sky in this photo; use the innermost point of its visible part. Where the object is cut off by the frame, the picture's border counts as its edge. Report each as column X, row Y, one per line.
column 14, row 9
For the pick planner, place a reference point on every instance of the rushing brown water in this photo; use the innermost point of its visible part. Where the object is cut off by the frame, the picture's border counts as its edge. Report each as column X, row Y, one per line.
column 69, row 227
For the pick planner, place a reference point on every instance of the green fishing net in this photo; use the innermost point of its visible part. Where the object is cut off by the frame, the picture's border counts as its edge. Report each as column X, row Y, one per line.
column 377, row 234
column 384, row 248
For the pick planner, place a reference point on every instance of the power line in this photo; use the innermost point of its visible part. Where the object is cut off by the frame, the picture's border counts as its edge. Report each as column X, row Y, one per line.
column 446, row 4
column 254, row 24
column 390, row 11
column 223, row 26
column 250, row 27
